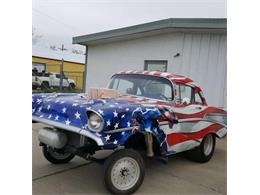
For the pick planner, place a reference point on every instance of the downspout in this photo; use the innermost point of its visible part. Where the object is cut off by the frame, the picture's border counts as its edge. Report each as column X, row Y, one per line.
column 85, row 71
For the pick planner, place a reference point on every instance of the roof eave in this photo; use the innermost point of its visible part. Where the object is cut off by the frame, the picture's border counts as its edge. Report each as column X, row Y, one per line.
column 152, row 26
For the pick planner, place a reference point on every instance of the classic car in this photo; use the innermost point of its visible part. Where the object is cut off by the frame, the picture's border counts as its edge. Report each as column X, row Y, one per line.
column 157, row 112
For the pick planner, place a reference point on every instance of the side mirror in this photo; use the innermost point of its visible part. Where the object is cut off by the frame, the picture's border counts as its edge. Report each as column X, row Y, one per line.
column 170, row 116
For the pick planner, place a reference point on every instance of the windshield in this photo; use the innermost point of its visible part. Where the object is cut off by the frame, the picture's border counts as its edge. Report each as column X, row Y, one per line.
column 143, row 85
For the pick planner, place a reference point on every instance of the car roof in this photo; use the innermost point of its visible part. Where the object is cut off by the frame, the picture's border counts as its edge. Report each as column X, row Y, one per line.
column 175, row 78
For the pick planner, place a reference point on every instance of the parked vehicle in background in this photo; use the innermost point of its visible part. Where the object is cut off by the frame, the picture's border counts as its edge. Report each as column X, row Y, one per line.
column 50, row 79
column 35, row 81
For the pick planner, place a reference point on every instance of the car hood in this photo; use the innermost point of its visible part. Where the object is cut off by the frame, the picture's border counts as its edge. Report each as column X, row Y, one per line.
column 71, row 109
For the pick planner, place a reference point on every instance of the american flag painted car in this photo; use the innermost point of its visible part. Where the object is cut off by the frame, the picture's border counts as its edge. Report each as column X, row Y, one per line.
column 163, row 112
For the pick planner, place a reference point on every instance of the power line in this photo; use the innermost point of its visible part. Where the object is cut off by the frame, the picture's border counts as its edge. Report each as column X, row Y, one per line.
column 72, row 28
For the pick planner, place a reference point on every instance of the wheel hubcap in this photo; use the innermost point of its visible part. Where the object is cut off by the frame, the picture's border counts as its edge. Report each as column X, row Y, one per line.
column 125, row 173
column 208, row 145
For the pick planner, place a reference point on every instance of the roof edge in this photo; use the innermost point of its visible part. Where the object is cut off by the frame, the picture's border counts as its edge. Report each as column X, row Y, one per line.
column 195, row 23
column 56, row 59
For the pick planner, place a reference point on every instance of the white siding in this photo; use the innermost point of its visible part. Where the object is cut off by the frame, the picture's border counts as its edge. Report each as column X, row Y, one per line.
column 202, row 57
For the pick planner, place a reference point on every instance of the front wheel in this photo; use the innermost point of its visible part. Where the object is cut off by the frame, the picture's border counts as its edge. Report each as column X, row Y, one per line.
column 56, row 157
column 205, row 151
column 124, row 172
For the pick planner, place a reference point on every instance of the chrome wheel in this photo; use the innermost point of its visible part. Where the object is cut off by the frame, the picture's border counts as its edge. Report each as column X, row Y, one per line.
column 208, row 145
column 125, row 173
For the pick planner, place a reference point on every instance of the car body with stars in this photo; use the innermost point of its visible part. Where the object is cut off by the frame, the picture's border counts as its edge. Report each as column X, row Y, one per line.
column 169, row 107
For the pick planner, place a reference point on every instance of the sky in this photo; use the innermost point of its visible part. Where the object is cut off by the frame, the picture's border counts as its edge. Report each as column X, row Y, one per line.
column 55, row 22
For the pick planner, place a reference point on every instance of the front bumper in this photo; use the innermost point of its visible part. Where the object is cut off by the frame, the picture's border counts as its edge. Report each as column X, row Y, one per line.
column 77, row 130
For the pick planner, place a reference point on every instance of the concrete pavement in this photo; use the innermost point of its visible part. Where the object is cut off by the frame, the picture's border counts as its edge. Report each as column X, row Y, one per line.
column 179, row 176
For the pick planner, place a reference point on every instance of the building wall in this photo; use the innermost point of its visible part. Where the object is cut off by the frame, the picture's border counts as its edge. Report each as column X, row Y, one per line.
column 202, row 57
column 71, row 69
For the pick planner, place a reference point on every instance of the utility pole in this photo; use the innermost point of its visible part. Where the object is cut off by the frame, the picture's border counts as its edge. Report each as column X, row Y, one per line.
column 85, row 71
column 61, row 67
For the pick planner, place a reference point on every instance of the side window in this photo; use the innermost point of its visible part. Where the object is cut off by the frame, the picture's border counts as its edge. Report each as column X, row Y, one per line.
column 59, row 76
column 183, row 94
column 39, row 67
column 168, row 92
column 198, row 99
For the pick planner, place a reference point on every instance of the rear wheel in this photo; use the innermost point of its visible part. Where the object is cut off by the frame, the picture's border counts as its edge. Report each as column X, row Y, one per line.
column 205, row 151
column 56, row 157
column 72, row 86
column 124, row 172
column 45, row 85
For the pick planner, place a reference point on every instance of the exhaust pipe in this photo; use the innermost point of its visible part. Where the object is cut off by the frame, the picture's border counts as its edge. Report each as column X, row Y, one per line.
column 52, row 137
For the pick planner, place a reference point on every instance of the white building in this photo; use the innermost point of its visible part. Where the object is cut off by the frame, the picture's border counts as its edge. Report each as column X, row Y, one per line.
column 192, row 47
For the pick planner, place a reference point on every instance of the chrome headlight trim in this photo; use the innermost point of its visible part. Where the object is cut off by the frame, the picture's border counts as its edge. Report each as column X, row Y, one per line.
column 91, row 112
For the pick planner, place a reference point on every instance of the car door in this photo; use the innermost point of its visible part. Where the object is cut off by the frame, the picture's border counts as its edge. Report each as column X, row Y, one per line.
column 188, row 106
column 65, row 81
column 55, row 80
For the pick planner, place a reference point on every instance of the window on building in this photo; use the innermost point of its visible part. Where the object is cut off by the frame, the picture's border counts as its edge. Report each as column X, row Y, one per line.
column 40, row 67
column 155, row 65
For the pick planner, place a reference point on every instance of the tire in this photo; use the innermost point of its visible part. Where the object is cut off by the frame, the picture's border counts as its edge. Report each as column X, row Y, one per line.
column 205, row 151
column 45, row 85
column 72, row 86
column 132, row 170
column 55, row 157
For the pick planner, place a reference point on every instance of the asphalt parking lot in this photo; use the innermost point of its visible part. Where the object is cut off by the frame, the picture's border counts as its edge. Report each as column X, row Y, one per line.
column 179, row 176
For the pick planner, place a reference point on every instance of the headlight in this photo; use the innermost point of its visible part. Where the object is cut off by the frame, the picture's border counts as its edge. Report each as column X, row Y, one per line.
column 95, row 122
